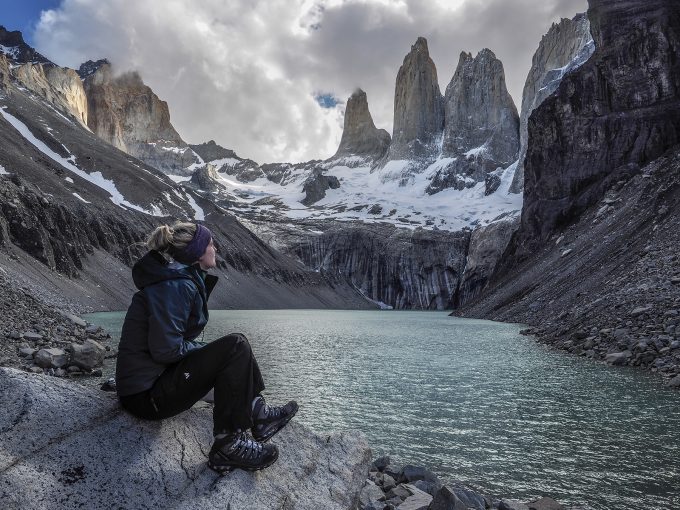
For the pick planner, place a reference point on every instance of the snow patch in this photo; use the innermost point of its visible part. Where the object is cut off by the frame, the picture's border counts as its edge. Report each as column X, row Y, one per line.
column 81, row 198
column 477, row 151
column 68, row 179
column 179, row 178
column 3, row 171
column 95, row 178
column 199, row 213
column 10, row 51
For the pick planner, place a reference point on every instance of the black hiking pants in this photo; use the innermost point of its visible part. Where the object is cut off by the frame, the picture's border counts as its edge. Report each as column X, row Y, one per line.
column 227, row 365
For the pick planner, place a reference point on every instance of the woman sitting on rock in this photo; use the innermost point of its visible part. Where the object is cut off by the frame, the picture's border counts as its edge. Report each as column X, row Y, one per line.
column 163, row 370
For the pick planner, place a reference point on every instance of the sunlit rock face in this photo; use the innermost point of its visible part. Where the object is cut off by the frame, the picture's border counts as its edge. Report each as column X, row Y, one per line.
column 566, row 46
column 418, row 106
column 59, row 86
column 126, row 113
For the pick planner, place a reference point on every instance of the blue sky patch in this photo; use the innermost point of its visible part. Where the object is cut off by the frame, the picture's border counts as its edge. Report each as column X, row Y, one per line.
column 326, row 100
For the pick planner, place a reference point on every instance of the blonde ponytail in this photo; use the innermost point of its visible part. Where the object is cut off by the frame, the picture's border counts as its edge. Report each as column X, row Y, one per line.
column 169, row 239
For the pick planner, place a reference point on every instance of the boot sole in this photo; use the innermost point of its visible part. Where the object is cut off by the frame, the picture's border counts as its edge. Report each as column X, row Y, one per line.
column 267, row 437
column 224, row 470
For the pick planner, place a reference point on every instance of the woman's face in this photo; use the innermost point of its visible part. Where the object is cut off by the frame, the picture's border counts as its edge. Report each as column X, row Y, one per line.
column 207, row 260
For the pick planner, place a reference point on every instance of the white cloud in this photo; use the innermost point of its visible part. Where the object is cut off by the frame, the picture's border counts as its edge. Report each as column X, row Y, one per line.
column 245, row 72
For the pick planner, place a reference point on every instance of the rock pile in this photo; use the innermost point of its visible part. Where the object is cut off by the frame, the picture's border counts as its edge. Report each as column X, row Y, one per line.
column 390, row 486
column 40, row 339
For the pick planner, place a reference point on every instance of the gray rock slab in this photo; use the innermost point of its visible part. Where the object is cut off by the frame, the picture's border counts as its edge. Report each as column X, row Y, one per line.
column 545, row 503
column 67, row 444
column 418, row 500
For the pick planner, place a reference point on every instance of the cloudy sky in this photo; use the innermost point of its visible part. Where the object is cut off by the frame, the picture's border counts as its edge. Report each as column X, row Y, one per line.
column 263, row 77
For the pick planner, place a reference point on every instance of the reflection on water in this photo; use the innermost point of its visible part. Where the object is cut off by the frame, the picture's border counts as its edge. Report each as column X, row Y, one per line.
column 473, row 400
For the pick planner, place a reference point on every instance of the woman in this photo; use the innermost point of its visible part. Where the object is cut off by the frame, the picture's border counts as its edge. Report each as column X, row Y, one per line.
column 163, row 370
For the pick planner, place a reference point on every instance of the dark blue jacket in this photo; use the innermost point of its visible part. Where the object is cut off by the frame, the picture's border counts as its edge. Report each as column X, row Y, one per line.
column 163, row 321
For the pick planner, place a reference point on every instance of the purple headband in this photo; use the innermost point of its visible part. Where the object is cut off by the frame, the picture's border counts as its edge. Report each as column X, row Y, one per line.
column 196, row 247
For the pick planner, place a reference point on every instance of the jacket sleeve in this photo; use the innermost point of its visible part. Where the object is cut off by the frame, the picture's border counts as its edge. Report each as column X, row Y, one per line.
column 169, row 306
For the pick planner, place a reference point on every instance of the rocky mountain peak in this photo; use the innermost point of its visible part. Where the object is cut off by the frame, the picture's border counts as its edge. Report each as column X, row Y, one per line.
column 481, row 122
column 90, row 67
column 211, row 151
column 360, row 137
column 206, row 178
column 418, row 105
column 420, row 46
column 12, row 44
column 126, row 113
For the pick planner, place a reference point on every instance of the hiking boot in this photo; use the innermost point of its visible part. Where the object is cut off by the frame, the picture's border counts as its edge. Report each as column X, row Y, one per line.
column 268, row 420
column 238, row 451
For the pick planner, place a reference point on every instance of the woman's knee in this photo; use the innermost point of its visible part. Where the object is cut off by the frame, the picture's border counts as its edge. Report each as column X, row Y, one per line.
column 234, row 342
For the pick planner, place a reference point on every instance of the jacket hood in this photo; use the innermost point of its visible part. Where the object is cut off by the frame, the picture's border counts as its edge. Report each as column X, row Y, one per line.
column 153, row 268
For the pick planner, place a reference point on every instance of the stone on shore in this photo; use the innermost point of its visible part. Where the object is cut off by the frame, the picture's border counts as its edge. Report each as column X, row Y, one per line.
column 88, row 355
column 545, row 503
column 618, row 358
column 72, row 447
column 51, row 358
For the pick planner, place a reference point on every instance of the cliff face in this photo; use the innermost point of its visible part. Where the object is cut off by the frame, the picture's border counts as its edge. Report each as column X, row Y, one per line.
column 360, row 137
column 418, row 106
column 566, row 46
column 481, row 124
column 618, row 111
column 126, row 113
column 406, row 270
column 480, row 113
column 594, row 266
column 60, row 86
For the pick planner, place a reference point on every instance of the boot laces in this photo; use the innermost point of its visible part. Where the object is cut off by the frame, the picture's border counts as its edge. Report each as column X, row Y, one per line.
column 245, row 447
column 269, row 412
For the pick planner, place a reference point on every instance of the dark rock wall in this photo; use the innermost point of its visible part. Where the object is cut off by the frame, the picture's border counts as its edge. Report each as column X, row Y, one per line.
column 618, row 111
column 404, row 269
column 566, row 46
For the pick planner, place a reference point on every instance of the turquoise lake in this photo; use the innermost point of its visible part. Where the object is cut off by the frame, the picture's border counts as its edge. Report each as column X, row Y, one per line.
column 472, row 400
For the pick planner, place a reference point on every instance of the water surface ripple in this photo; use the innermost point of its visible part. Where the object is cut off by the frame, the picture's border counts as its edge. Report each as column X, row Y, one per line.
column 473, row 400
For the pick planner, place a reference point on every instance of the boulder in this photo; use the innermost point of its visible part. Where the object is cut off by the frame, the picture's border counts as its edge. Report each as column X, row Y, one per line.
column 411, row 473
column 51, row 358
column 65, row 443
column 545, row 503
column 370, row 493
column 509, row 504
column 88, row 355
column 446, row 499
column 418, row 500
column 618, row 358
